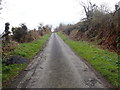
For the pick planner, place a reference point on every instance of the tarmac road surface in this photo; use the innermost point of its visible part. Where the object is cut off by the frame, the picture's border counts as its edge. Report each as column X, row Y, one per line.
column 57, row 66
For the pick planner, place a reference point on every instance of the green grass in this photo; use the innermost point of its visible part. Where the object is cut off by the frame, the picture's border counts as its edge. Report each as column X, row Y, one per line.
column 9, row 72
column 104, row 61
column 27, row 50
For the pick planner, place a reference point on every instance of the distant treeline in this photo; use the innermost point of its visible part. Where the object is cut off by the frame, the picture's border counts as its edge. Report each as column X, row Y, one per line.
column 21, row 34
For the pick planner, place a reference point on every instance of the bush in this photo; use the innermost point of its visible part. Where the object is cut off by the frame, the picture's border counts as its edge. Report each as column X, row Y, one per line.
column 19, row 33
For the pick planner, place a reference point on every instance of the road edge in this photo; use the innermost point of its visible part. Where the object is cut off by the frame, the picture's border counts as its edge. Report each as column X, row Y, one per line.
column 103, row 79
column 17, row 80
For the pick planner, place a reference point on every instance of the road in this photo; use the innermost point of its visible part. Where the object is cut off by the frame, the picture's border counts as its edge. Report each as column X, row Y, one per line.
column 57, row 66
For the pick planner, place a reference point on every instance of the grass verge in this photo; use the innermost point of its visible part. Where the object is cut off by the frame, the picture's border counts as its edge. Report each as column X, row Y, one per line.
column 27, row 50
column 102, row 60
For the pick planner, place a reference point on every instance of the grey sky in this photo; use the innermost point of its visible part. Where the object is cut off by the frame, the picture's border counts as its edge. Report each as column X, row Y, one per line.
column 53, row 12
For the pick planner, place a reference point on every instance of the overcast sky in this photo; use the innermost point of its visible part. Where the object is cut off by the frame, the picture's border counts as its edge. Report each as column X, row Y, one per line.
column 53, row 12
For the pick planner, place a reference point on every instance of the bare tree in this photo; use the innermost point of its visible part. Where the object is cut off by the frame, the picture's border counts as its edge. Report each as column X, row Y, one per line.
column 104, row 8
column 89, row 9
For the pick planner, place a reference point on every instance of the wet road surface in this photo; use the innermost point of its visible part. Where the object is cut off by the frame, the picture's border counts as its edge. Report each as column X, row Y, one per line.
column 59, row 67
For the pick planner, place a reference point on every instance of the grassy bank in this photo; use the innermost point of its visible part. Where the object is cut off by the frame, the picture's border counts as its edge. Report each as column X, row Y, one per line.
column 102, row 60
column 27, row 50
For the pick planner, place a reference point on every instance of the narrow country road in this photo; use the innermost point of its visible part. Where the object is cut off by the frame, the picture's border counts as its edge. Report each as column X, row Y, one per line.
column 57, row 66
